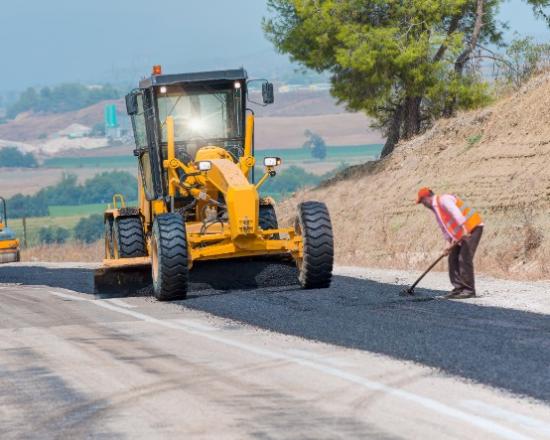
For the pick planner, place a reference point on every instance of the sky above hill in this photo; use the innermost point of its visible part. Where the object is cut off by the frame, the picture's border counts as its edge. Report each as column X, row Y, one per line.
column 48, row 42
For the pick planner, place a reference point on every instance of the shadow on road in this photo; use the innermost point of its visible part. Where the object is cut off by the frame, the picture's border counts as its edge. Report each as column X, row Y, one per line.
column 504, row 348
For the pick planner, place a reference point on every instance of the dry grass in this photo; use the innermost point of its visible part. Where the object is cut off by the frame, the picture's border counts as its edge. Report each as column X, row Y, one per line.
column 73, row 252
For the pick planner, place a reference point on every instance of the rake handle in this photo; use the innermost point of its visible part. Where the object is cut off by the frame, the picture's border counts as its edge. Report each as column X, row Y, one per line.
column 421, row 277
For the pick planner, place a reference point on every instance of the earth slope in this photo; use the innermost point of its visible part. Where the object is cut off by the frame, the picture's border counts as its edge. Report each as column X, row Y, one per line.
column 495, row 158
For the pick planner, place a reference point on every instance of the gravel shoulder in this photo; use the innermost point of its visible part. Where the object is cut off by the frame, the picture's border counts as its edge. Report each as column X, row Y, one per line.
column 531, row 296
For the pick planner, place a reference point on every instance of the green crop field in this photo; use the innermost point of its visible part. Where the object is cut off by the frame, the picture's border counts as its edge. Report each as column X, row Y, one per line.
column 63, row 216
column 108, row 162
column 333, row 153
column 341, row 153
column 80, row 210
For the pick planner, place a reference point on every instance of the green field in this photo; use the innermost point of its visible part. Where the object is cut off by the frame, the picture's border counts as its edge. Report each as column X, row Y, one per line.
column 64, row 216
column 35, row 223
column 91, row 162
column 341, row 153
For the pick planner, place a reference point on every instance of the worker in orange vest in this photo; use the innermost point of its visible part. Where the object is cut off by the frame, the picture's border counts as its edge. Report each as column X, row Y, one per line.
column 462, row 227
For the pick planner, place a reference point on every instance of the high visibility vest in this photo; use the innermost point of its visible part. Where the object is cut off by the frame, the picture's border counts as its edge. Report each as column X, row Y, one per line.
column 455, row 230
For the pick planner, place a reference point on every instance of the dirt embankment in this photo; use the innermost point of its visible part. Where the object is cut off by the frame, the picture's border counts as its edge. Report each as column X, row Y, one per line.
column 496, row 158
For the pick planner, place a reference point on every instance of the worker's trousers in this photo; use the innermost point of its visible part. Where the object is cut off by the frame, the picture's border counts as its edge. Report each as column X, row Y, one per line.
column 461, row 263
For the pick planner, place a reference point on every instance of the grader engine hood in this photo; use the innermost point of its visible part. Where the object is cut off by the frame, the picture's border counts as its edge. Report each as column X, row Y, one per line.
column 241, row 197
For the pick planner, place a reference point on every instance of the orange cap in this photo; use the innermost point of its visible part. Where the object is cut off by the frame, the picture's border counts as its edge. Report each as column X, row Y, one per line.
column 423, row 192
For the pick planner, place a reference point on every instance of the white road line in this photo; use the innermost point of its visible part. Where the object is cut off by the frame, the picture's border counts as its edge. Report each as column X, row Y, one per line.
column 121, row 303
column 426, row 402
column 68, row 297
column 197, row 325
column 502, row 414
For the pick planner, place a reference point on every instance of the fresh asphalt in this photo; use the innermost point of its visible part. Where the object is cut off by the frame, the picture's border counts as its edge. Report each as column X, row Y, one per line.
column 504, row 348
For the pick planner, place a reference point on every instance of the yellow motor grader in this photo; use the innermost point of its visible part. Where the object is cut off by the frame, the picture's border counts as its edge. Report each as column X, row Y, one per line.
column 9, row 244
column 198, row 198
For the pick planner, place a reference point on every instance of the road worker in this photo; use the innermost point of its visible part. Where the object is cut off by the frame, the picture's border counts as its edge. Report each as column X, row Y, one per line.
column 462, row 228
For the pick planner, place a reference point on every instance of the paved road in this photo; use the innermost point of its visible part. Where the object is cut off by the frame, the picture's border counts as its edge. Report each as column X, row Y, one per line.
column 73, row 365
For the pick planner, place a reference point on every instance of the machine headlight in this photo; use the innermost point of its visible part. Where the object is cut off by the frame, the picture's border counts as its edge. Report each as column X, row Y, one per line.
column 205, row 165
column 272, row 161
column 196, row 124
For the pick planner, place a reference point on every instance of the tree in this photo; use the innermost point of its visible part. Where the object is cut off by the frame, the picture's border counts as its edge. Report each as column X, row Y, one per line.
column 315, row 144
column 523, row 58
column 90, row 229
column 61, row 98
column 53, row 234
column 403, row 63
column 11, row 157
column 20, row 206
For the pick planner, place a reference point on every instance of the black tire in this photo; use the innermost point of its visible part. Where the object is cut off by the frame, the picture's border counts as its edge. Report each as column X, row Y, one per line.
column 313, row 223
column 268, row 219
column 108, row 232
column 169, row 260
column 128, row 238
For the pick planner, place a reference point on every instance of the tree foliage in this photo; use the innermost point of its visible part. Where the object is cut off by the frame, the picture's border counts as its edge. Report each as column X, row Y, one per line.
column 523, row 58
column 315, row 144
column 62, row 98
column 98, row 189
column 11, row 157
column 89, row 229
column 402, row 62
column 53, row 234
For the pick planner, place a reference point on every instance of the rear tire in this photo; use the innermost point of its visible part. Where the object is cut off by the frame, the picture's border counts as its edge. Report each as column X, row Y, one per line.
column 109, row 245
column 313, row 223
column 169, row 258
column 268, row 219
column 128, row 237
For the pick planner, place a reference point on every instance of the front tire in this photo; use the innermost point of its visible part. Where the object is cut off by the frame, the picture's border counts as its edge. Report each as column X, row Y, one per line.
column 169, row 260
column 128, row 237
column 313, row 223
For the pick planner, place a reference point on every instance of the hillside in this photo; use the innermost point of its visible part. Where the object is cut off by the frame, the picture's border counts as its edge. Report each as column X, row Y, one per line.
column 496, row 158
column 281, row 125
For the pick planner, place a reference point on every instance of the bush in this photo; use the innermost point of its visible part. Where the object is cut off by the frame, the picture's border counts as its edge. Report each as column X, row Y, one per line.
column 11, row 157
column 53, row 234
column 27, row 206
column 62, row 98
column 90, row 229
column 98, row 189
column 316, row 144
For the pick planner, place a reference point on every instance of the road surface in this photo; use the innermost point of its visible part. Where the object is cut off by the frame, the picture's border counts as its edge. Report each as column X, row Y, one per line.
column 353, row 361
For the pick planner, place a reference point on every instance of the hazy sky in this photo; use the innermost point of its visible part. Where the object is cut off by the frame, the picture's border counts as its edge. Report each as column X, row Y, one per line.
column 53, row 41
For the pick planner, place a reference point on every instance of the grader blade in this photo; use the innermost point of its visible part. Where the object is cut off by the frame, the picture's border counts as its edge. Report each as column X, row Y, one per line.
column 123, row 277
column 133, row 278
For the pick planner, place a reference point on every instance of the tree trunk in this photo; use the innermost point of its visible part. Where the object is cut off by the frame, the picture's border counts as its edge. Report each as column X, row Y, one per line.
column 394, row 131
column 464, row 57
column 411, row 119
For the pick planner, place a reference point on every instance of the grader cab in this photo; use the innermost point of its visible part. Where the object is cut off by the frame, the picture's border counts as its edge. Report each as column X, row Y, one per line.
column 198, row 196
column 9, row 244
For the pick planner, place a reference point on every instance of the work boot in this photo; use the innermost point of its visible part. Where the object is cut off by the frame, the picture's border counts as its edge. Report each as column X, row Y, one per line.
column 463, row 295
column 451, row 294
